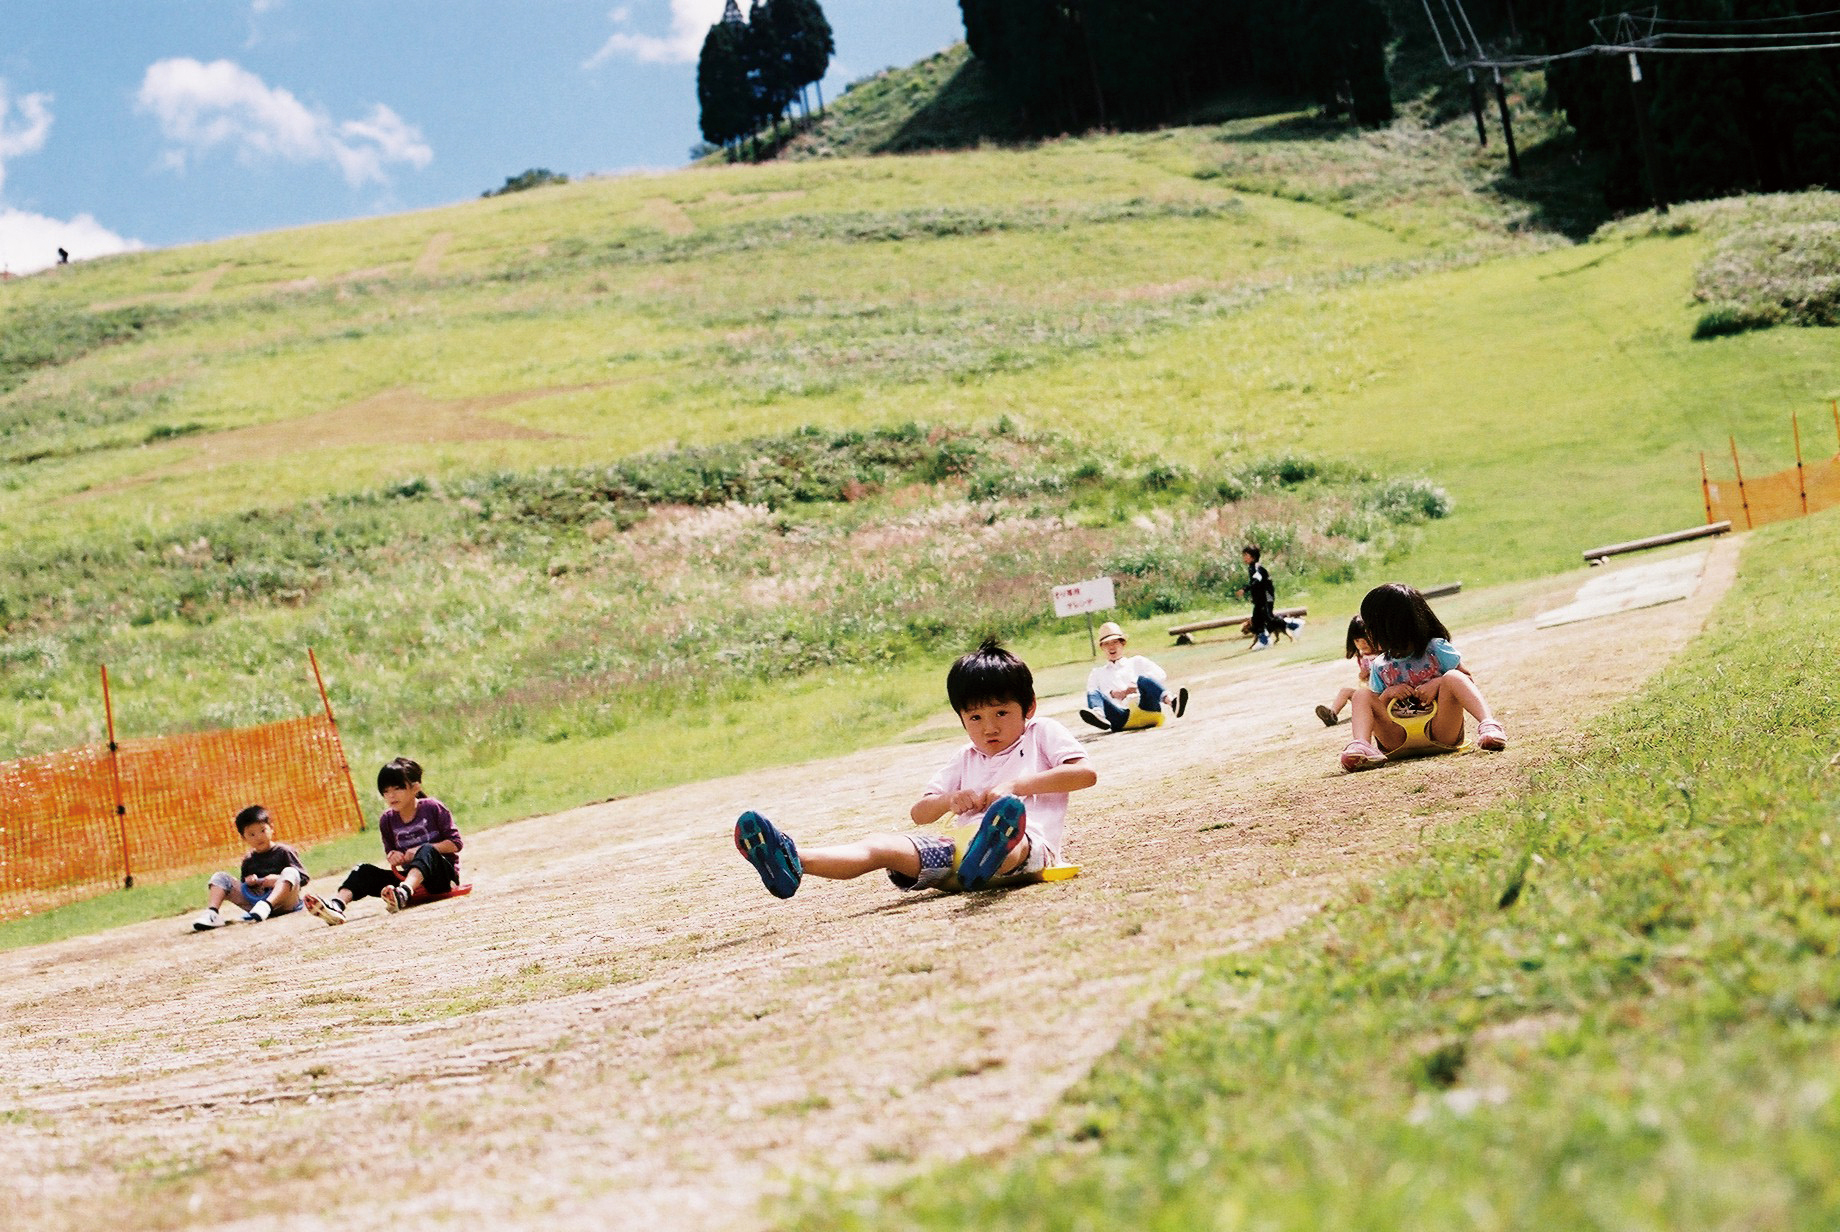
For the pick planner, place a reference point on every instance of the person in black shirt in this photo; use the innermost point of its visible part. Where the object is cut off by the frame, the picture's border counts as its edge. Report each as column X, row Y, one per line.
column 272, row 876
column 1265, row 623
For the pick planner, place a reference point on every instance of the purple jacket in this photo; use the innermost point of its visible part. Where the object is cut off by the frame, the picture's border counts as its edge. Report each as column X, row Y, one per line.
column 432, row 824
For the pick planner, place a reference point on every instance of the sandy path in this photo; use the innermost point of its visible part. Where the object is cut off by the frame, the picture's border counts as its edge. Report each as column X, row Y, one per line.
column 620, row 1027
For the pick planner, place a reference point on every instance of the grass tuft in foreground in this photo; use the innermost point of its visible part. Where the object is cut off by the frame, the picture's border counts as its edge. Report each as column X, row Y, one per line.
column 1614, row 1003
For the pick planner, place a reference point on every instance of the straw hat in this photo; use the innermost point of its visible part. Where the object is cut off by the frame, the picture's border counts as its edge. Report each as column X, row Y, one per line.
column 1110, row 630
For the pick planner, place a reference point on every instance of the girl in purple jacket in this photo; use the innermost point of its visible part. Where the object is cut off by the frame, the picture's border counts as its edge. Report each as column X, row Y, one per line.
column 420, row 844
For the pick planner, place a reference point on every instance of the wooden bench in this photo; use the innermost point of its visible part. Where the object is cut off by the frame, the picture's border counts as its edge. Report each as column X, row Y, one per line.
column 1596, row 556
column 1181, row 632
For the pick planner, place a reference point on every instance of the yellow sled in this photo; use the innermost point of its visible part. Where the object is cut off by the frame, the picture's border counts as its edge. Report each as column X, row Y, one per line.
column 1418, row 741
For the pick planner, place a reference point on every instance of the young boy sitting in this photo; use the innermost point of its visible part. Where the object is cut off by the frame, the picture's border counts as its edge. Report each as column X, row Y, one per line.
column 1012, row 781
column 272, row 876
column 420, row 844
column 1127, row 687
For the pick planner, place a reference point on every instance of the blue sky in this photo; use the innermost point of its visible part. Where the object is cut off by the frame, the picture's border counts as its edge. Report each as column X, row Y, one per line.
column 129, row 123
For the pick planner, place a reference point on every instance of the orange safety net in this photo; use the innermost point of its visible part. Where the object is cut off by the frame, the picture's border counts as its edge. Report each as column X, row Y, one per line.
column 1771, row 498
column 62, row 837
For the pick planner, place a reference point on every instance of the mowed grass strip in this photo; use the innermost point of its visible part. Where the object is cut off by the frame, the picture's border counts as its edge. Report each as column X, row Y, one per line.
column 1612, row 1004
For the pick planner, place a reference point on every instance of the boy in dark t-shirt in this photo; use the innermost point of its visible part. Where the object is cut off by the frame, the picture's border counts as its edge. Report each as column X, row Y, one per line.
column 420, row 843
column 271, row 877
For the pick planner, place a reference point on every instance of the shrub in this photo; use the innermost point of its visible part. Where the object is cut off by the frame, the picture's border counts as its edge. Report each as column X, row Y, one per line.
column 1409, row 500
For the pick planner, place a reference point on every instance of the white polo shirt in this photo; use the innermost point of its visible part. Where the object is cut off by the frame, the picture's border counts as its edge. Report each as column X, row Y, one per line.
column 1044, row 745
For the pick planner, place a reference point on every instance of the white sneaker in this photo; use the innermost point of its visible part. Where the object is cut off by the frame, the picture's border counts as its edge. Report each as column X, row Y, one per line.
column 1296, row 623
column 1262, row 644
column 331, row 910
column 208, row 920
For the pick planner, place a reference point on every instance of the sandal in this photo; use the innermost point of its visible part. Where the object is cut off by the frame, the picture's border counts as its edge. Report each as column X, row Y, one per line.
column 395, row 898
column 1329, row 717
column 1490, row 737
column 1360, row 755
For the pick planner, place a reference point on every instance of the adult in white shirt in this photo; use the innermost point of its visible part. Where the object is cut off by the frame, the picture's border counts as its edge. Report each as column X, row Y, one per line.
column 1127, row 686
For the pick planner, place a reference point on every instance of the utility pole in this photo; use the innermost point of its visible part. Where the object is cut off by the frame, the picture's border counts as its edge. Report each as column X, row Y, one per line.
column 1651, row 168
column 1507, row 126
column 1475, row 107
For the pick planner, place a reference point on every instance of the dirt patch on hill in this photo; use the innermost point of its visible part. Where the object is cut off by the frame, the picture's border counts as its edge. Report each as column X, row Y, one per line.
column 621, row 1027
column 396, row 417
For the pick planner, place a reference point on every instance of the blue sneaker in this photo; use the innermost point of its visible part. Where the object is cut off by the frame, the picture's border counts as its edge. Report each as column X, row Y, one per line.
column 1005, row 825
column 774, row 855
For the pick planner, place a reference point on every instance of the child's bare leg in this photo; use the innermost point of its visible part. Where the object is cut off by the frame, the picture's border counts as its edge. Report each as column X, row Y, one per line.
column 286, row 894
column 1342, row 698
column 1462, row 690
column 876, row 853
column 218, row 890
column 1373, row 725
column 412, row 879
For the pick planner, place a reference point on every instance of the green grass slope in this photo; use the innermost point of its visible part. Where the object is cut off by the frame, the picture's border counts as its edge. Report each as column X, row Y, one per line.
column 391, row 439
column 1610, row 1004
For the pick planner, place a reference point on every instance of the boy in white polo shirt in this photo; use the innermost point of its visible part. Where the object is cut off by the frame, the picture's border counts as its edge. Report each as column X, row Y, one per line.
column 1125, row 687
column 1012, row 780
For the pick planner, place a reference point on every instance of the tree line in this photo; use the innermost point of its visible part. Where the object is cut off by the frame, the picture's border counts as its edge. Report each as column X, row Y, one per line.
column 1719, row 124
column 1066, row 65
column 752, row 69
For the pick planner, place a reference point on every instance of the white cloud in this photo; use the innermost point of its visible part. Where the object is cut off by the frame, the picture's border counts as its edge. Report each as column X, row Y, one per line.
column 202, row 106
column 29, row 242
column 27, row 134
column 690, row 22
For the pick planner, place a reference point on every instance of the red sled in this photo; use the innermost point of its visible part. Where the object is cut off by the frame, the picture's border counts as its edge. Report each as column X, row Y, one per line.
column 421, row 894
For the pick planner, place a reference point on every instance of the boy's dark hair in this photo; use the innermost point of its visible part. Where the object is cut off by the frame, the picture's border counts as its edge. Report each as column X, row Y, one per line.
column 254, row 815
column 1400, row 623
column 400, row 773
column 1357, row 628
column 1252, row 550
column 987, row 676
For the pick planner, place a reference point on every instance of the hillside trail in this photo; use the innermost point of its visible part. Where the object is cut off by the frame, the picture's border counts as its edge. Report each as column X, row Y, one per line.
column 621, row 1028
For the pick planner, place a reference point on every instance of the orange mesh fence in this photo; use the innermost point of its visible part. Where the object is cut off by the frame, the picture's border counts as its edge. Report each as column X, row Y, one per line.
column 59, row 840
column 1771, row 498
column 1752, row 500
column 61, row 837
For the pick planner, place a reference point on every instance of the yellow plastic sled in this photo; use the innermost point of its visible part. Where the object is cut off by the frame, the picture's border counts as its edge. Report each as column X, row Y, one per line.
column 961, row 839
column 1140, row 718
column 1418, row 741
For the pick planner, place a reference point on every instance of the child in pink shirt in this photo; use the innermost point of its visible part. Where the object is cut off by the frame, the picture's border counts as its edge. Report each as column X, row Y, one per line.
column 1013, row 780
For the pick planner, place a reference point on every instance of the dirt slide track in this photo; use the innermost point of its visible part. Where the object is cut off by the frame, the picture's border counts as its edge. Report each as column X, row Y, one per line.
column 620, row 1028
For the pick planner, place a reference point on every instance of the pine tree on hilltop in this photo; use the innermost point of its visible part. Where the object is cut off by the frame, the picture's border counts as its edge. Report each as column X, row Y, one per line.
column 805, row 43
column 722, row 91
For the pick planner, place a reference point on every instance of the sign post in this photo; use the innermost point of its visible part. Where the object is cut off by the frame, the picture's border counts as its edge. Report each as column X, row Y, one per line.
column 1077, row 598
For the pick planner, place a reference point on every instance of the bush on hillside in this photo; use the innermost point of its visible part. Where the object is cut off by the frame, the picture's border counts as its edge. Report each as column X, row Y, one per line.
column 1761, row 276
column 524, row 181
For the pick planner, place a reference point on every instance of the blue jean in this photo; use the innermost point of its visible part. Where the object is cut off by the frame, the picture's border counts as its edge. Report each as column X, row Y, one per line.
column 1149, row 697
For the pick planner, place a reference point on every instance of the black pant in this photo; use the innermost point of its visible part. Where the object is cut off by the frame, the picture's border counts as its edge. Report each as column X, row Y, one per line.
column 439, row 872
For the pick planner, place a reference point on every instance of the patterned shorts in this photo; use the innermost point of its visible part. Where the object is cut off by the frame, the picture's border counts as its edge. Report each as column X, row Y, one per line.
column 939, row 864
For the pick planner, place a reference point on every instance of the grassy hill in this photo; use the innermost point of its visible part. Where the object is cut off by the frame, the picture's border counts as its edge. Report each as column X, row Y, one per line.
column 475, row 455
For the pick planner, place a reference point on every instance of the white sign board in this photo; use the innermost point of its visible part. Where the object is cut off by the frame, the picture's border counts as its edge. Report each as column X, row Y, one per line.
column 1092, row 595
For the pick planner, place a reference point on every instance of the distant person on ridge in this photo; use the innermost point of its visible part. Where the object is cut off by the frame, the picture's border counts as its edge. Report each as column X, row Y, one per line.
column 420, row 843
column 1127, row 684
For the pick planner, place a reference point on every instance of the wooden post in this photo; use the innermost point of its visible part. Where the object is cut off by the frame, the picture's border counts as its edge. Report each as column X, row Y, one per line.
column 1743, row 496
column 1645, row 140
column 121, row 806
column 1705, row 486
column 337, row 743
column 1475, row 107
column 1507, row 126
column 1801, row 479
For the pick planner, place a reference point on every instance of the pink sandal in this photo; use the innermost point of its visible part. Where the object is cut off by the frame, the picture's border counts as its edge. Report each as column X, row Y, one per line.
column 1490, row 737
column 1360, row 755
